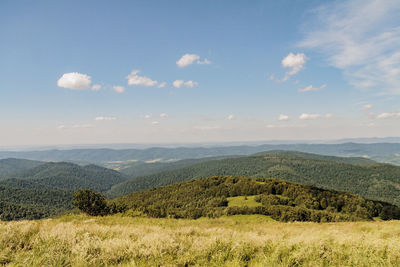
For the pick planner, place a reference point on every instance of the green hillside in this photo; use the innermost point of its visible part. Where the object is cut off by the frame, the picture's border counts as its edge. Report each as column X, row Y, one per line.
column 12, row 165
column 283, row 201
column 374, row 181
column 140, row 168
column 47, row 189
column 67, row 176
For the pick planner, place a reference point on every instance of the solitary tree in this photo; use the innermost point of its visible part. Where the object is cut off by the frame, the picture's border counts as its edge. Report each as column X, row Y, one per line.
column 90, row 202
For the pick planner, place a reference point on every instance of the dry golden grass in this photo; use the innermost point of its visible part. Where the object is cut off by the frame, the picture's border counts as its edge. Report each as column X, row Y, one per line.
column 78, row 240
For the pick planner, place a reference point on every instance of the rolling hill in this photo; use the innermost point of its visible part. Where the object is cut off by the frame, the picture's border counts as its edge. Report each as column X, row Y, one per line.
column 12, row 165
column 374, row 181
column 47, row 189
column 283, row 201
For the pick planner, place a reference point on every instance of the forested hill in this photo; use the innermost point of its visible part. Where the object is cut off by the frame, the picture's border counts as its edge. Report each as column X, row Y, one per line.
column 283, row 201
column 374, row 181
column 68, row 176
column 47, row 189
column 12, row 165
column 382, row 152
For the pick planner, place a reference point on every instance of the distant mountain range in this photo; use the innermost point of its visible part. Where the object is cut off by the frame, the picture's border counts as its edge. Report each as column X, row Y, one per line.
column 381, row 152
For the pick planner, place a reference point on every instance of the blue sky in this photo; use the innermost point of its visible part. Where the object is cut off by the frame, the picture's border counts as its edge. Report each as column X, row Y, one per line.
column 85, row 72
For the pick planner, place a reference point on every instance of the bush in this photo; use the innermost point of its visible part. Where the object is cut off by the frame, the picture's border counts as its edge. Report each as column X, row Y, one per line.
column 90, row 202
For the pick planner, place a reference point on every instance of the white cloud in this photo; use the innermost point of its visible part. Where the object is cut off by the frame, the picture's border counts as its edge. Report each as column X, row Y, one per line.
column 61, row 127
column 311, row 88
column 329, row 115
column 306, row 116
column 163, row 115
column 119, row 89
column 294, row 62
column 283, row 117
column 75, row 81
column 279, row 126
column 231, row 117
column 101, row 118
column 191, row 84
column 155, row 123
column 96, row 87
column 189, row 59
column 134, row 79
column 178, row 83
column 147, row 116
column 389, row 115
column 161, row 85
column 360, row 37
column 367, row 107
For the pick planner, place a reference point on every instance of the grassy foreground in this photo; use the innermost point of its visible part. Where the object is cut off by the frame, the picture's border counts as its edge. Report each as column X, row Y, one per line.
column 252, row 240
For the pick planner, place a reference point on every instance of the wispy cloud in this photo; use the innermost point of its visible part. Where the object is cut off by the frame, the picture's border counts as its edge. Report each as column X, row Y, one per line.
column 180, row 83
column 101, row 118
column 349, row 34
column 310, row 88
column 135, row 79
column 367, row 107
column 306, row 116
column 230, row 117
column 389, row 115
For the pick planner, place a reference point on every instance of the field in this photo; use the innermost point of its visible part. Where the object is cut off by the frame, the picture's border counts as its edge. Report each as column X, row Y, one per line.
column 253, row 240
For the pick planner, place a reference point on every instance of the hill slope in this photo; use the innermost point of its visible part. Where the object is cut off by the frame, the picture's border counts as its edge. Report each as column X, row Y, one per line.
column 283, row 201
column 47, row 189
column 67, row 176
column 12, row 165
column 374, row 181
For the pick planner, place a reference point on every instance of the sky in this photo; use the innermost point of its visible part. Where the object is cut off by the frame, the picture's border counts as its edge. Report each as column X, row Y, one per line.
column 93, row 72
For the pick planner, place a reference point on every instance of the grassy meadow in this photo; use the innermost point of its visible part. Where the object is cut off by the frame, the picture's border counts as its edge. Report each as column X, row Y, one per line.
column 241, row 240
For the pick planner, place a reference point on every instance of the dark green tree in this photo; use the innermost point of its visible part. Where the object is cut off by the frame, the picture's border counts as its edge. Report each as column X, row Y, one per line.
column 90, row 202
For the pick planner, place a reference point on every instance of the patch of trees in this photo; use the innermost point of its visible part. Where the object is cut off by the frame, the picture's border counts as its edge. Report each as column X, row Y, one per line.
column 95, row 204
column 282, row 200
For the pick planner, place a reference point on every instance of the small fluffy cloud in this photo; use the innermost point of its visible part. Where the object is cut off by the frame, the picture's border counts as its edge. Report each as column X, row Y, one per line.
column 189, row 59
column 389, row 115
column 311, row 88
column 230, row 117
column 163, row 115
column 161, row 85
column 306, row 116
column 135, row 79
column 329, row 115
column 283, row 117
column 101, row 118
column 155, row 123
column 119, row 89
column 147, row 116
column 76, row 81
column 295, row 62
column 367, row 107
column 180, row 83
column 191, row 84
